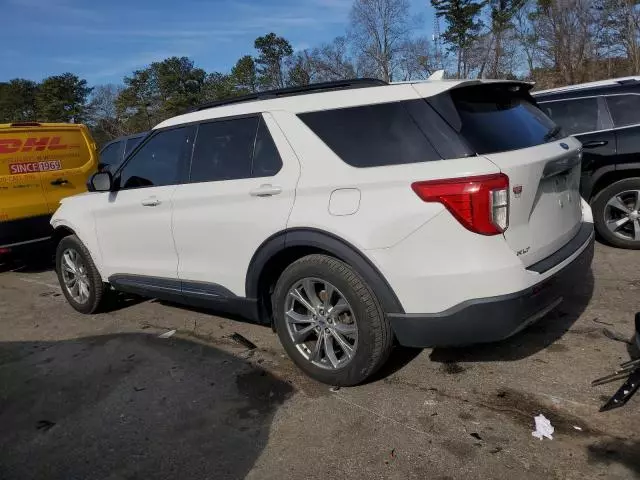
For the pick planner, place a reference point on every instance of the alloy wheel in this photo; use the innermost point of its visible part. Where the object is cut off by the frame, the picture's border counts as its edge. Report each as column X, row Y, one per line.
column 74, row 275
column 622, row 215
column 321, row 323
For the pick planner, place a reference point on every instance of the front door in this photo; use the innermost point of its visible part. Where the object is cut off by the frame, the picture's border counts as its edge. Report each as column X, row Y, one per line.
column 134, row 222
column 241, row 192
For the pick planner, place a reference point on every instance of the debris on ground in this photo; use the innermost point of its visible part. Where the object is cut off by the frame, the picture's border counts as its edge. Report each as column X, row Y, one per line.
column 44, row 425
column 618, row 337
column 168, row 334
column 334, row 389
column 476, row 436
column 577, row 428
column 543, row 428
column 236, row 337
column 597, row 320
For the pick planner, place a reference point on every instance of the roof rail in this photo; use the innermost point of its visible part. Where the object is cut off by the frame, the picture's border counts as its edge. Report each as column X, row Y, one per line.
column 588, row 85
column 292, row 91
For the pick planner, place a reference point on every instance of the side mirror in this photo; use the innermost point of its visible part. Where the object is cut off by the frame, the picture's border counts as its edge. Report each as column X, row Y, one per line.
column 100, row 182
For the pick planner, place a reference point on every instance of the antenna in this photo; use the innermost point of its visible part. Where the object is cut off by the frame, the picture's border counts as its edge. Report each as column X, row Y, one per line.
column 436, row 41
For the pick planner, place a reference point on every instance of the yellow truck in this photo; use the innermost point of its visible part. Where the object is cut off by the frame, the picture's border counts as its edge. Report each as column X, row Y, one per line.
column 40, row 164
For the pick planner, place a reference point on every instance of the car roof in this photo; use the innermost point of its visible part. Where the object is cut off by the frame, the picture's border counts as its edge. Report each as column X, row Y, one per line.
column 613, row 85
column 325, row 99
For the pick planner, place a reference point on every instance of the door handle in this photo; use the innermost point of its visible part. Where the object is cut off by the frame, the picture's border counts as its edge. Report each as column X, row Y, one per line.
column 594, row 144
column 151, row 202
column 59, row 181
column 266, row 190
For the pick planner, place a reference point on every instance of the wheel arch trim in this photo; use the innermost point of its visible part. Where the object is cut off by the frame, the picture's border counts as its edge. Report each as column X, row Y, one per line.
column 336, row 246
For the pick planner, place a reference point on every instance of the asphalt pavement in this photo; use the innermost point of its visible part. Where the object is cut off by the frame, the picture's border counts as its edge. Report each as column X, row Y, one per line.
column 103, row 397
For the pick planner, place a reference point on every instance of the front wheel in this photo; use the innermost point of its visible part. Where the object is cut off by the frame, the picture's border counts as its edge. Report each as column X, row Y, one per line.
column 616, row 212
column 330, row 322
column 79, row 278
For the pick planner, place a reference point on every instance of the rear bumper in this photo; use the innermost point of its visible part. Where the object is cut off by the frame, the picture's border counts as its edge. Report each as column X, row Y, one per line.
column 495, row 318
column 25, row 231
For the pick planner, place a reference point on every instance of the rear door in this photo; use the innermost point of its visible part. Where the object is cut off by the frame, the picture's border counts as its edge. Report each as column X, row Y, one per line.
column 588, row 120
column 241, row 191
column 501, row 123
column 72, row 159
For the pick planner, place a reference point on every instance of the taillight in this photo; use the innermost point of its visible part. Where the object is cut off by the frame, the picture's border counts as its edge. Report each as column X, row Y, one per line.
column 480, row 204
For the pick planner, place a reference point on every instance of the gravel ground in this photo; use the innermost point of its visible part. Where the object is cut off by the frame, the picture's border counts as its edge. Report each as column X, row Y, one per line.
column 103, row 397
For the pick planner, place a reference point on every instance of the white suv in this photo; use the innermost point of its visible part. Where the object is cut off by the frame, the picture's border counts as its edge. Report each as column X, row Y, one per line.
column 345, row 215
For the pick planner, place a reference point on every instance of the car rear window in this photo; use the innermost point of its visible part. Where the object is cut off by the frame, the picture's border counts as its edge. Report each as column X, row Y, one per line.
column 373, row 135
column 500, row 118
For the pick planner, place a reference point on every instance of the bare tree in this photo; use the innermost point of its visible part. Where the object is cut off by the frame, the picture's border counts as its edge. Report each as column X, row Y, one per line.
column 332, row 61
column 380, row 30
column 103, row 113
column 416, row 59
column 619, row 30
column 567, row 30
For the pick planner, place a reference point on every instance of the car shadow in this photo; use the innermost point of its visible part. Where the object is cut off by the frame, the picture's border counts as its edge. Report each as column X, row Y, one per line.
column 132, row 406
column 533, row 339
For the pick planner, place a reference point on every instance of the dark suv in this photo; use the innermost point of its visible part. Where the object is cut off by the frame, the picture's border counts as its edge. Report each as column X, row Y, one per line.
column 605, row 117
column 114, row 152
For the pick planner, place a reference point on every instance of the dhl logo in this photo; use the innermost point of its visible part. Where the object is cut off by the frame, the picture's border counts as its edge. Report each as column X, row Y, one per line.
column 31, row 144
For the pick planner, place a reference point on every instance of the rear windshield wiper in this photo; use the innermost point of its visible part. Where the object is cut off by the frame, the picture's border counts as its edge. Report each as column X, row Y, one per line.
column 551, row 134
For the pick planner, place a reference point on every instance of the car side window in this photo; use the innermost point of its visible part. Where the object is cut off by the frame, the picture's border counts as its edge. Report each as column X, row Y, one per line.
column 574, row 116
column 372, row 135
column 625, row 109
column 159, row 162
column 266, row 159
column 111, row 154
column 131, row 144
column 224, row 150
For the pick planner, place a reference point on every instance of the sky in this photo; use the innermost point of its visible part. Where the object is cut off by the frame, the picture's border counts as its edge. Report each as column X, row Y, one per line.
column 104, row 40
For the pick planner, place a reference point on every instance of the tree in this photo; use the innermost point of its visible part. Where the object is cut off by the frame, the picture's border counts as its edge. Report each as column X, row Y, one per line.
column 502, row 13
column 162, row 90
column 567, row 33
column 463, row 27
column 270, row 63
column 380, row 30
column 620, row 27
column 219, row 86
column 244, row 75
column 301, row 69
column 332, row 61
column 103, row 118
column 416, row 61
column 62, row 98
column 18, row 101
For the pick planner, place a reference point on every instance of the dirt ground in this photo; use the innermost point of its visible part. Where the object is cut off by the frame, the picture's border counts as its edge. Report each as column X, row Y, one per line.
column 103, row 397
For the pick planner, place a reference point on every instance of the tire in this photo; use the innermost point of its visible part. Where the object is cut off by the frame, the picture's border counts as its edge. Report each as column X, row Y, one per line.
column 623, row 237
column 374, row 338
column 96, row 296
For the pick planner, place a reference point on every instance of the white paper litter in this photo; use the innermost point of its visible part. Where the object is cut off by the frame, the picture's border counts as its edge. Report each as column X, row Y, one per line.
column 543, row 428
column 168, row 334
column 577, row 428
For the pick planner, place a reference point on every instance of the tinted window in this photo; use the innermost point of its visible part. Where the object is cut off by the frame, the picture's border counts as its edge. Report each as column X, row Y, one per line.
column 158, row 162
column 372, row 135
column 625, row 109
column 131, row 144
column 223, row 150
column 497, row 119
column 266, row 159
column 111, row 154
column 575, row 116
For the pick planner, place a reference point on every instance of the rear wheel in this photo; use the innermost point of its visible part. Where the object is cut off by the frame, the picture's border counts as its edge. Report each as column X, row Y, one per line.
column 616, row 211
column 79, row 278
column 330, row 322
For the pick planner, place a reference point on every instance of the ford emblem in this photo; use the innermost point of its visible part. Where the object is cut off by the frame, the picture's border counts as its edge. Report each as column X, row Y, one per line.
column 565, row 146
